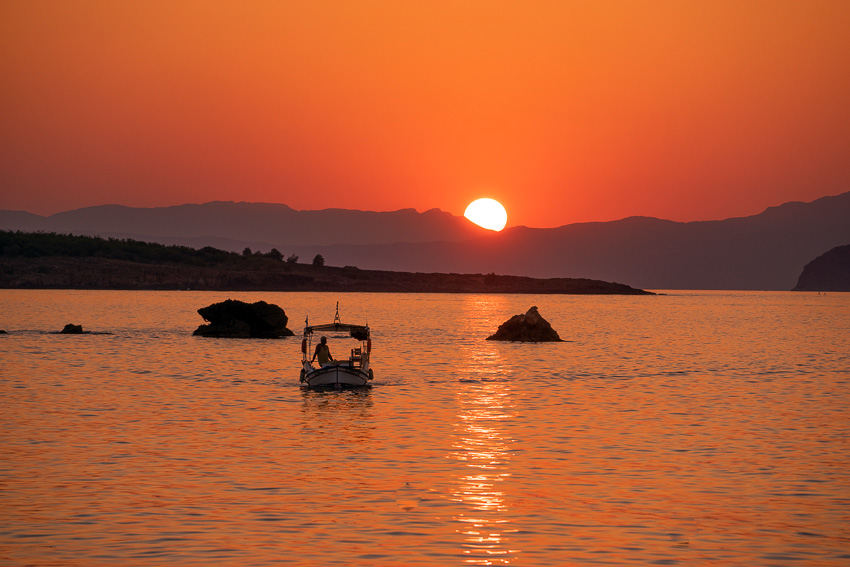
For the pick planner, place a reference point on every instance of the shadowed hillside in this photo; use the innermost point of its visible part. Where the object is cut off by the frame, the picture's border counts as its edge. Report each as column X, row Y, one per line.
column 827, row 272
column 764, row 251
column 257, row 225
column 52, row 261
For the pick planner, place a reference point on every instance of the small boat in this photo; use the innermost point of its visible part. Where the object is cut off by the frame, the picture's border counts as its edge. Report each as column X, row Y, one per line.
column 340, row 372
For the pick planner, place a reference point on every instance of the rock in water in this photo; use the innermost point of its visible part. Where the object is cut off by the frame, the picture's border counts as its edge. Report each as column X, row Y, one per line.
column 71, row 329
column 237, row 319
column 527, row 328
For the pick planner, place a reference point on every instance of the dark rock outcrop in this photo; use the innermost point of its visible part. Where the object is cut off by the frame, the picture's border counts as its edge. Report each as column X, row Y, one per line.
column 2, row 332
column 237, row 319
column 529, row 327
column 71, row 329
column 827, row 272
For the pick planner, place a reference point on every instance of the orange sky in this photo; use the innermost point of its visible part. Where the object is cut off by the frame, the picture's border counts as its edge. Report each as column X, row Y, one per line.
column 563, row 111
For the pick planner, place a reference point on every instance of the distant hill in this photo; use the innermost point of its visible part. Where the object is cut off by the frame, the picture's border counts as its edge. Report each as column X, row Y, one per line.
column 764, row 251
column 827, row 272
column 54, row 261
column 236, row 225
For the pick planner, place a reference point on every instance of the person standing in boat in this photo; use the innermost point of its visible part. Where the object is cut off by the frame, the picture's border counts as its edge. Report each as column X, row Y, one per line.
column 323, row 352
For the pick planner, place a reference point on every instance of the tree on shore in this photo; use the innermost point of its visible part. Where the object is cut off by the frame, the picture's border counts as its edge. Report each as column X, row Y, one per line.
column 40, row 244
column 275, row 254
column 292, row 259
column 318, row 260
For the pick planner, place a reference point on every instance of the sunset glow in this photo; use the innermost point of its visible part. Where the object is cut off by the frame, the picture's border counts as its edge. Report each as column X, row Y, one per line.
column 576, row 111
column 487, row 213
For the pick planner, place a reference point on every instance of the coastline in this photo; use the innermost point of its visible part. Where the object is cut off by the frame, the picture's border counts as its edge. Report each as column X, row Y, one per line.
column 62, row 272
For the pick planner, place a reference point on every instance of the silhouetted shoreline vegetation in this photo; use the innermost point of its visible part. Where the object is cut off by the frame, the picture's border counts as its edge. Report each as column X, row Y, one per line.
column 40, row 244
column 61, row 261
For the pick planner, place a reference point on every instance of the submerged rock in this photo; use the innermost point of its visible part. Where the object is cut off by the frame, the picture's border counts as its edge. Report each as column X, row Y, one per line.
column 71, row 329
column 237, row 319
column 529, row 327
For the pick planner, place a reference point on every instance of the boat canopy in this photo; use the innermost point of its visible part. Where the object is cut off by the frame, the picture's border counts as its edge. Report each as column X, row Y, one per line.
column 359, row 332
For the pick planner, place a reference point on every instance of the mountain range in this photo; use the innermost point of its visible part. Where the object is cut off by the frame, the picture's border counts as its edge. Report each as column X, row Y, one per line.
column 233, row 226
column 764, row 251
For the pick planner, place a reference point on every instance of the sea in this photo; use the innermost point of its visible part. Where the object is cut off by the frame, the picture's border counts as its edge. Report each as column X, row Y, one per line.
column 683, row 428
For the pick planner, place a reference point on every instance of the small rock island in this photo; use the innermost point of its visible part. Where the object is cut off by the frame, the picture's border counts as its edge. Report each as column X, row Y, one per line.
column 237, row 319
column 71, row 329
column 528, row 327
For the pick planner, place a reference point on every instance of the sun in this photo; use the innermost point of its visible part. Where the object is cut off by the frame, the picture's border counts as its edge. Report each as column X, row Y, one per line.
column 487, row 213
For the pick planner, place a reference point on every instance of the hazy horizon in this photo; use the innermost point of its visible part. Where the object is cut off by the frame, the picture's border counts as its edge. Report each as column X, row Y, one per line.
column 509, row 225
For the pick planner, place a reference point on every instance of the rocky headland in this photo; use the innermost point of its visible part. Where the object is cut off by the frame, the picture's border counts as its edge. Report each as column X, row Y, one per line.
column 828, row 272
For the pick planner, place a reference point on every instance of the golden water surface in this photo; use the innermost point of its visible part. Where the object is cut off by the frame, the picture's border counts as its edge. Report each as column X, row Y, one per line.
column 692, row 428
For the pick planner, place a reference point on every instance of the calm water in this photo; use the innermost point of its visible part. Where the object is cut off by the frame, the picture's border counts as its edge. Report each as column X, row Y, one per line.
column 695, row 428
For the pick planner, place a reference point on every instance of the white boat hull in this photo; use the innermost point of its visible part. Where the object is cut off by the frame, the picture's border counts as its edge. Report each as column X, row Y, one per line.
column 334, row 375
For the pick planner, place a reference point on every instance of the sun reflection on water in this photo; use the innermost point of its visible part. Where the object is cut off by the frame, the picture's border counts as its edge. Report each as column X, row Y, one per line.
column 483, row 446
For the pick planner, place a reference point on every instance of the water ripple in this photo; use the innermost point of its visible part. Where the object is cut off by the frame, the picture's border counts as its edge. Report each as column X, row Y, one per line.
column 707, row 428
